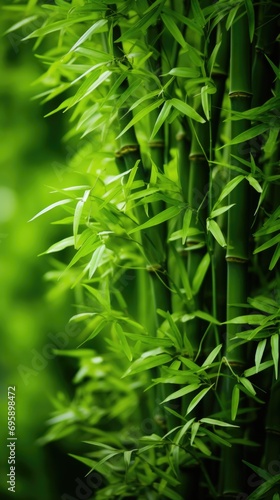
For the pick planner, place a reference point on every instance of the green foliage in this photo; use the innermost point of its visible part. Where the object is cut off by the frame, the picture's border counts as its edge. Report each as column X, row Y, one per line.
column 147, row 264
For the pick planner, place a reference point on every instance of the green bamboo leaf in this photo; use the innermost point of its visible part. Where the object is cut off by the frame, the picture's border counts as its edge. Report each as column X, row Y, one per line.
column 215, row 230
column 100, row 323
column 198, row 443
column 173, row 29
column 194, row 430
column 78, row 353
column 274, row 342
column 87, row 89
column 249, row 319
column 161, row 119
column 254, row 183
column 186, row 224
column 216, row 438
column 50, row 207
column 184, row 72
column 264, row 304
column 183, row 431
column 198, row 13
column 205, row 101
column 181, row 392
column 272, row 140
column 264, row 488
column 184, row 278
column 59, row 25
column 274, row 67
column 248, row 385
column 60, row 245
column 96, row 260
column 263, row 366
column 186, row 109
column 260, row 472
column 231, row 185
column 127, row 456
column 259, row 353
column 220, row 211
column 165, row 215
column 76, row 220
column 177, row 336
column 145, row 111
column 232, row 14
column 123, row 341
column 251, row 18
column 275, row 258
column 213, row 354
column 213, row 421
column 20, row 24
column 268, row 244
column 97, row 27
column 248, row 134
column 235, row 401
column 142, row 24
column 143, row 364
column 200, row 273
column 198, row 398
column 206, row 317
column 213, row 57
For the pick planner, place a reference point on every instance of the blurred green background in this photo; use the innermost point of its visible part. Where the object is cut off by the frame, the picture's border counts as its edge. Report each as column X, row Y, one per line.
column 32, row 158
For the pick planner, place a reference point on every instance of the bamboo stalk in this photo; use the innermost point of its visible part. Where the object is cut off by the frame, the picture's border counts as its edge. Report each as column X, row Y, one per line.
column 237, row 240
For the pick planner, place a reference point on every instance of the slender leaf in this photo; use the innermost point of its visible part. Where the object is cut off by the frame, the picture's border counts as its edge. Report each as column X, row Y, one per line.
column 187, row 110
column 216, row 232
column 197, row 399
column 274, row 342
column 235, row 401
column 259, row 353
column 182, row 392
column 167, row 214
column 95, row 28
column 50, row 207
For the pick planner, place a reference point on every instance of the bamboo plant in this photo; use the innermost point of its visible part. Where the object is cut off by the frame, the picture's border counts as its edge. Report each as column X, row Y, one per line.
column 181, row 162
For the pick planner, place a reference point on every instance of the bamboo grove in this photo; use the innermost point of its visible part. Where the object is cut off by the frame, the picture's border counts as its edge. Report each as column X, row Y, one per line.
column 171, row 242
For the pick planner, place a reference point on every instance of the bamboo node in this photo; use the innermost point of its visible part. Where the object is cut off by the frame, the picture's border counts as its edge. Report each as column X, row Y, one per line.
column 233, row 95
column 156, row 144
column 180, row 136
column 272, row 431
column 239, row 260
column 195, row 156
column 153, row 268
column 129, row 148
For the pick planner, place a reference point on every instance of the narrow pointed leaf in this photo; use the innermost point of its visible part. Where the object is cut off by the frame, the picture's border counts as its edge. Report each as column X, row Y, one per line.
column 182, row 392
column 96, row 259
column 216, row 232
column 275, row 258
column 213, row 354
column 259, row 353
column 167, row 214
column 235, row 401
column 248, row 385
column 197, row 399
column 95, row 28
column 200, row 273
column 145, row 111
column 173, row 29
column 220, row 211
column 161, row 119
column 274, row 342
column 187, row 110
column 248, row 134
column 50, row 207
column 213, row 421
